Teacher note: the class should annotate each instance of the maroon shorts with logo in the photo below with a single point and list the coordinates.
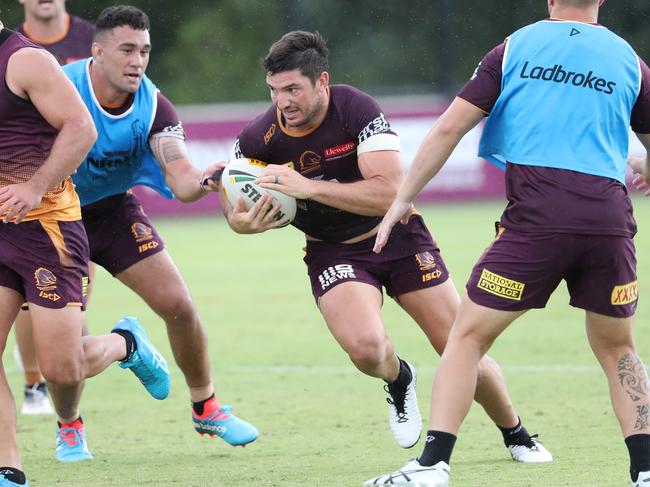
(520, 270)
(46, 261)
(409, 261)
(119, 232)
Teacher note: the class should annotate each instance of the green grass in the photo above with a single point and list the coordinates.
(323, 423)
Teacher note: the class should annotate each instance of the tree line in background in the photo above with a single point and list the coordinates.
(210, 50)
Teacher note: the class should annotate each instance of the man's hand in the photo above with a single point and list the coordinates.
(261, 217)
(286, 180)
(641, 169)
(17, 200)
(398, 211)
(211, 177)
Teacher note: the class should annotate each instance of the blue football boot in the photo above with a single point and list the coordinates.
(148, 365)
(71, 443)
(219, 421)
(5, 482)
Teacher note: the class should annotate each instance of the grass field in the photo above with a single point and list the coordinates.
(322, 423)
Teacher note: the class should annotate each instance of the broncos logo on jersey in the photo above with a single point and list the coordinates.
(309, 162)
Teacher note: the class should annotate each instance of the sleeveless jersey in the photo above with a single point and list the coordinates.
(73, 45)
(328, 152)
(26, 140)
(565, 72)
(121, 158)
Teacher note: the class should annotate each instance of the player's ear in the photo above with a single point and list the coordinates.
(324, 79)
(96, 50)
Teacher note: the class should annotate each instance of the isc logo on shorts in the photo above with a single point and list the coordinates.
(147, 246)
(500, 286)
(625, 294)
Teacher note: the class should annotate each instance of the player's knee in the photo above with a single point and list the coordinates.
(179, 308)
(488, 368)
(370, 352)
(64, 373)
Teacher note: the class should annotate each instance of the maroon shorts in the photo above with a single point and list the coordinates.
(520, 270)
(119, 232)
(409, 261)
(45, 261)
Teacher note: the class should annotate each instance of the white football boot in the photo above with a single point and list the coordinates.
(415, 475)
(643, 480)
(35, 401)
(404, 413)
(532, 452)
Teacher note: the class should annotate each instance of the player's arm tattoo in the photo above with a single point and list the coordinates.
(633, 377)
(168, 149)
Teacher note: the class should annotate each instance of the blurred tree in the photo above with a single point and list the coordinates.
(209, 50)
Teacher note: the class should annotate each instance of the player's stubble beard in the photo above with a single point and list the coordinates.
(313, 111)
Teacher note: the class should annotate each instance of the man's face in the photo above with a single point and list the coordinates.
(44, 9)
(296, 97)
(123, 56)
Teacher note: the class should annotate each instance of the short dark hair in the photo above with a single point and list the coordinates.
(301, 50)
(121, 15)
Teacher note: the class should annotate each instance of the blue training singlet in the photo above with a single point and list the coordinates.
(567, 93)
(121, 158)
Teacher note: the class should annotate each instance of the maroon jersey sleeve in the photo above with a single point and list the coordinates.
(166, 121)
(484, 87)
(641, 111)
(360, 113)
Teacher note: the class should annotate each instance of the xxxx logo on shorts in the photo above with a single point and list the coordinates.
(500, 286)
(625, 294)
(425, 261)
(141, 232)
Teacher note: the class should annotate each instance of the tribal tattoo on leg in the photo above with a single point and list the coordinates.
(633, 377)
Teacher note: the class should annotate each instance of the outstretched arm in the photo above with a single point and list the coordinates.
(458, 119)
(33, 74)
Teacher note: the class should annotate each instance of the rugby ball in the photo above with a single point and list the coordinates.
(238, 179)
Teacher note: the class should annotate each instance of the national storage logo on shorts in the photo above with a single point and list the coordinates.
(500, 286)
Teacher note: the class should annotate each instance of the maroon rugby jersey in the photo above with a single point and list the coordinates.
(73, 45)
(328, 152)
(26, 139)
(558, 200)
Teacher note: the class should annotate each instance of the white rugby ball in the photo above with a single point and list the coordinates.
(238, 179)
